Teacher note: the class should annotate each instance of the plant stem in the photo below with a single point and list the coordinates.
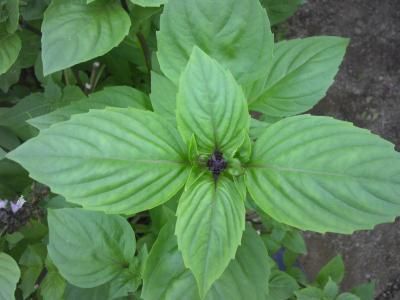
(27, 26)
(146, 53)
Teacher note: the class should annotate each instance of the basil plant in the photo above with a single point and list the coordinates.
(196, 159)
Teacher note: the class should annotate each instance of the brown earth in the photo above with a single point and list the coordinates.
(366, 92)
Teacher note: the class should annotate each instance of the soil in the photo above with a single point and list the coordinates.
(366, 92)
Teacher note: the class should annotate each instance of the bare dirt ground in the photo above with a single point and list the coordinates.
(366, 92)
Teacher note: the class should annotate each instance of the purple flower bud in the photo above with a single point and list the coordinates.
(3, 203)
(17, 206)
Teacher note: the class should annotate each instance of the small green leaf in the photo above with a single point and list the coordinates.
(10, 45)
(166, 278)
(299, 75)
(53, 285)
(117, 160)
(331, 289)
(365, 291)
(209, 228)
(106, 245)
(281, 286)
(279, 10)
(32, 262)
(309, 293)
(211, 105)
(9, 276)
(149, 3)
(333, 270)
(321, 174)
(294, 241)
(163, 96)
(116, 96)
(348, 296)
(74, 32)
(234, 32)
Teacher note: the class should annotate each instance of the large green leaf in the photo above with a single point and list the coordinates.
(106, 245)
(234, 32)
(279, 10)
(167, 278)
(116, 96)
(211, 105)
(118, 160)
(9, 276)
(10, 45)
(74, 32)
(300, 74)
(163, 96)
(321, 174)
(209, 227)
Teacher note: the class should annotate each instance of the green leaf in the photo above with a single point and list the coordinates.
(211, 105)
(149, 3)
(331, 289)
(209, 227)
(300, 74)
(333, 270)
(321, 174)
(279, 10)
(234, 32)
(101, 292)
(348, 296)
(247, 275)
(118, 160)
(106, 245)
(294, 241)
(163, 96)
(9, 276)
(74, 32)
(309, 293)
(166, 278)
(281, 286)
(257, 128)
(13, 179)
(32, 261)
(10, 45)
(12, 7)
(116, 96)
(365, 291)
(8, 140)
(53, 285)
(33, 105)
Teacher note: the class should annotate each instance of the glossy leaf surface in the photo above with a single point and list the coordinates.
(300, 74)
(118, 160)
(234, 32)
(209, 227)
(74, 32)
(342, 177)
(90, 248)
(211, 106)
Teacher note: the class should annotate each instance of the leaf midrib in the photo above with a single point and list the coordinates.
(313, 172)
